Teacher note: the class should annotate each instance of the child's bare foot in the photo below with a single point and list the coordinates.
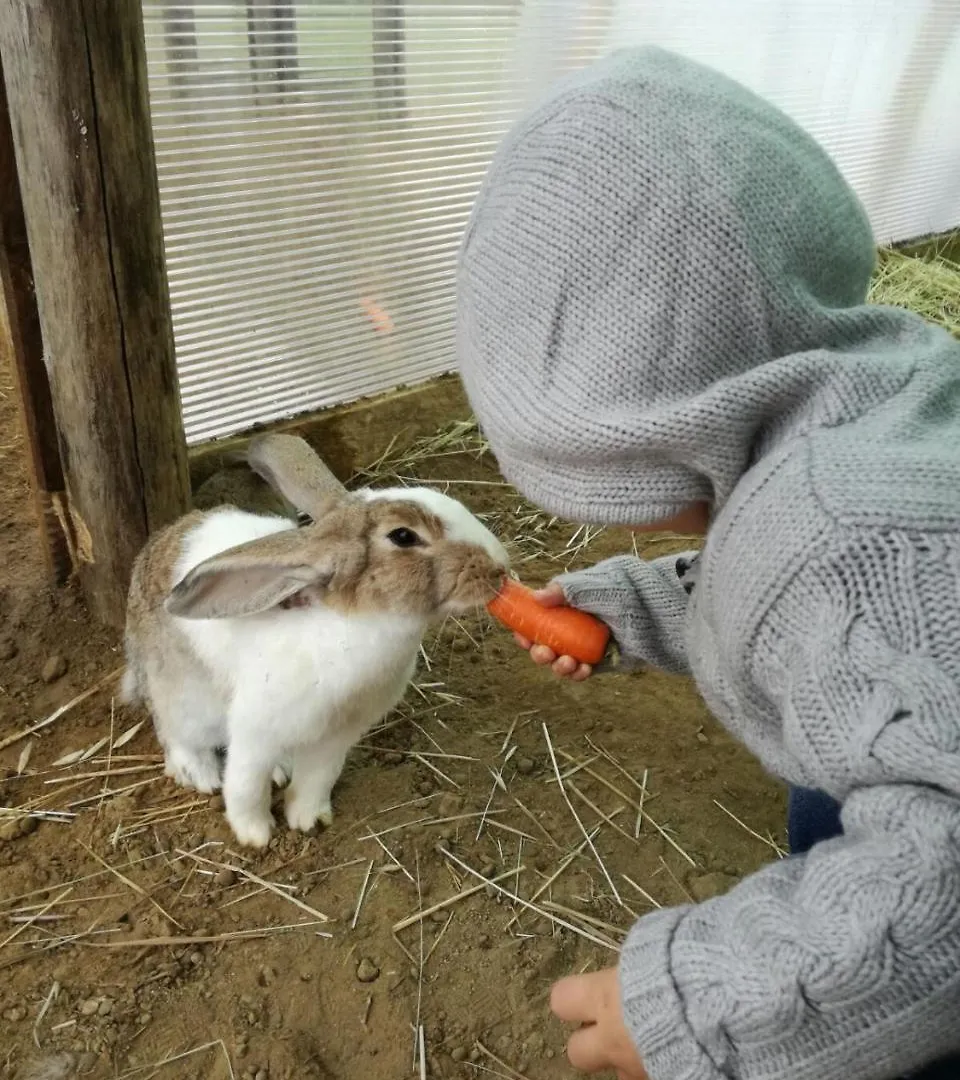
(563, 666)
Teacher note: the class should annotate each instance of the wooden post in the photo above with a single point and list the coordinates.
(76, 81)
(20, 329)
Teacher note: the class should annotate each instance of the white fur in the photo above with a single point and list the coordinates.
(459, 524)
(223, 529)
(285, 693)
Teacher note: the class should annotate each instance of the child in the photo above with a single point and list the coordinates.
(662, 321)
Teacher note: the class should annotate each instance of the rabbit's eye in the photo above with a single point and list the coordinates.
(404, 538)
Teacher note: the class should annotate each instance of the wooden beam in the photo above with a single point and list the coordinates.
(20, 332)
(76, 80)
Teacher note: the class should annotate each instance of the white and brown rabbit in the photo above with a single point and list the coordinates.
(282, 646)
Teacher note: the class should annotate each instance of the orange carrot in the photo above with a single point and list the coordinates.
(566, 630)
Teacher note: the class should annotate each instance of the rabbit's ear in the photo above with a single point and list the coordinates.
(245, 581)
(290, 466)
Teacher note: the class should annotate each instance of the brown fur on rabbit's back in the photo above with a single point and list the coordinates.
(235, 484)
(150, 585)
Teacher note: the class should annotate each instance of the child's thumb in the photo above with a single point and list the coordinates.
(550, 596)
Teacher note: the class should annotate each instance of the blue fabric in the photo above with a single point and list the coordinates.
(812, 817)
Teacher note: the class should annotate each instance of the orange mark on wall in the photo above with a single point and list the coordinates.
(378, 315)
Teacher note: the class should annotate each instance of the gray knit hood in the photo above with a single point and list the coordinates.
(656, 268)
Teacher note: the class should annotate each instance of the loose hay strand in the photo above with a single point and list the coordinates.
(929, 285)
(630, 802)
(419, 916)
(210, 939)
(270, 886)
(34, 918)
(130, 883)
(576, 817)
(361, 895)
(579, 931)
(62, 710)
(763, 839)
(510, 1070)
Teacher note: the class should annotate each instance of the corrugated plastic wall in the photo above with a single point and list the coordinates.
(318, 160)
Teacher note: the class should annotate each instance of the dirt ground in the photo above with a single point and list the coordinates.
(136, 941)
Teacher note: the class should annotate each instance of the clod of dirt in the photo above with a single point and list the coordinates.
(13, 828)
(59, 1067)
(525, 766)
(225, 878)
(449, 805)
(17, 1013)
(89, 1007)
(367, 970)
(8, 648)
(458, 1054)
(54, 668)
(706, 886)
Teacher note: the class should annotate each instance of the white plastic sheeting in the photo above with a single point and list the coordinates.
(318, 158)
(877, 82)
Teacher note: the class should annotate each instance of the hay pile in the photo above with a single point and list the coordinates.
(928, 285)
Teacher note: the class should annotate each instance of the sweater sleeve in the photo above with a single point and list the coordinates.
(843, 964)
(643, 602)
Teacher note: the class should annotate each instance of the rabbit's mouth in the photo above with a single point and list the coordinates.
(471, 591)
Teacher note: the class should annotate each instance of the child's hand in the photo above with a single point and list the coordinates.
(564, 666)
(602, 1042)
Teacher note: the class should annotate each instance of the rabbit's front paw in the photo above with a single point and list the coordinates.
(199, 769)
(304, 812)
(251, 830)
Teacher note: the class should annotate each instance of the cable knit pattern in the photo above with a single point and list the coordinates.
(662, 300)
(644, 601)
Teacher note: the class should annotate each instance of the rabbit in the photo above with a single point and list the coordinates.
(235, 483)
(283, 646)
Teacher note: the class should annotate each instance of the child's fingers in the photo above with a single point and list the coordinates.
(550, 596)
(587, 1049)
(523, 642)
(569, 668)
(574, 999)
(564, 666)
(542, 655)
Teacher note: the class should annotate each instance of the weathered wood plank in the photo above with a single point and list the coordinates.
(20, 331)
(76, 80)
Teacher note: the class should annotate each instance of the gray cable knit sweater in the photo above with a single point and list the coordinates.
(661, 300)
